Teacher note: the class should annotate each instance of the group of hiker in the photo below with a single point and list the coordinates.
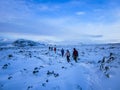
(52, 48)
(74, 54)
(67, 53)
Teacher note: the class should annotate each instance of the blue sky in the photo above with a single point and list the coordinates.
(59, 20)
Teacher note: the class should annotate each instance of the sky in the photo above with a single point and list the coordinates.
(61, 20)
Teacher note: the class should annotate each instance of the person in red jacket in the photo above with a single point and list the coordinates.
(75, 54)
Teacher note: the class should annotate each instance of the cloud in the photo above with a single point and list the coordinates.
(11, 10)
(94, 36)
(80, 13)
(30, 36)
(66, 21)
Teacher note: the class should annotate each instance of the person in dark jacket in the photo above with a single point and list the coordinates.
(75, 54)
(49, 48)
(55, 49)
(67, 54)
(62, 52)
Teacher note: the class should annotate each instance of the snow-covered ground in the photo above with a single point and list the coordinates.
(37, 68)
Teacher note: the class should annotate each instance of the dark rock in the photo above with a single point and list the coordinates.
(9, 77)
(5, 66)
(47, 80)
(34, 72)
(43, 84)
(56, 74)
(10, 55)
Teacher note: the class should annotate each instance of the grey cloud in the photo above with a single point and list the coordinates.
(94, 36)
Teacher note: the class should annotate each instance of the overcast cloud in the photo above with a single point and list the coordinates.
(60, 20)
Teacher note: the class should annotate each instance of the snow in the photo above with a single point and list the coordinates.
(37, 68)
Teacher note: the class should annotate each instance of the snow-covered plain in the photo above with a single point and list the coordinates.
(37, 68)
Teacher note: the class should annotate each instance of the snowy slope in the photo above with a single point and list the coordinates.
(37, 68)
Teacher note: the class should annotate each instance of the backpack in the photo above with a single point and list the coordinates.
(75, 53)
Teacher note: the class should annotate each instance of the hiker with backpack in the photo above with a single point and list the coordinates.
(62, 52)
(55, 49)
(67, 54)
(75, 54)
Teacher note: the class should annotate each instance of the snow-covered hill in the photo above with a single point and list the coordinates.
(37, 68)
(24, 43)
(20, 43)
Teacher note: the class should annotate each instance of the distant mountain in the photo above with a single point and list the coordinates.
(5, 42)
(24, 43)
(2, 39)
